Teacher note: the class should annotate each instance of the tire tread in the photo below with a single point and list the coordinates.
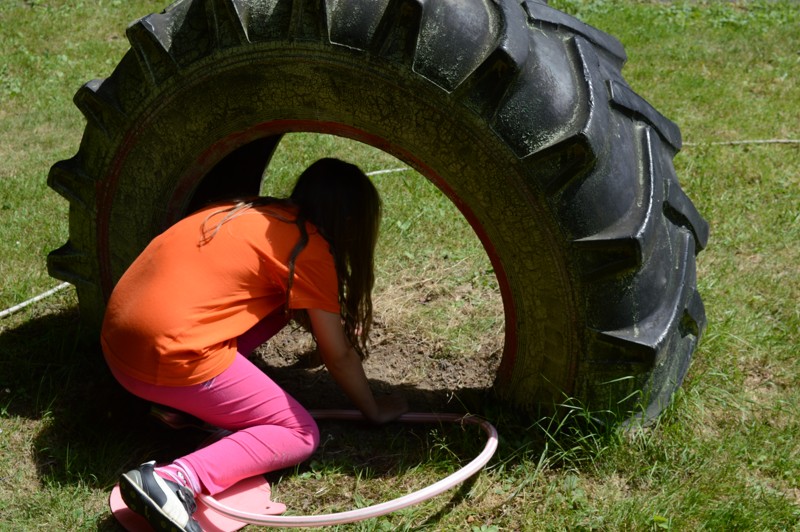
(549, 88)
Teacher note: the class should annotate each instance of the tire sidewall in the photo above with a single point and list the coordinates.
(230, 98)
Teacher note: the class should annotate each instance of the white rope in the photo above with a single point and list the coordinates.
(740, 142)
(15, 308)
(52, 291)
(389, 171)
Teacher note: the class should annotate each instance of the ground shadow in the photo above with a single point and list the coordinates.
(94, 430)
(51, 370)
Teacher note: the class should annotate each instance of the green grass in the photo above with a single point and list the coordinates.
(420, 246)
(726, 454)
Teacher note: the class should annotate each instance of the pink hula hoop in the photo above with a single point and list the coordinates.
(384, 508)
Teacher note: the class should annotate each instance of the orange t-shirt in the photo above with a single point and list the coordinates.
(175, 314)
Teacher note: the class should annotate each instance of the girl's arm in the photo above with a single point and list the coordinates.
(345, 366)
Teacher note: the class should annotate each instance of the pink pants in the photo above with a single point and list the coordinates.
(271, 430)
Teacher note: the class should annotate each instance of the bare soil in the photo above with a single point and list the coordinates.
(398, 362)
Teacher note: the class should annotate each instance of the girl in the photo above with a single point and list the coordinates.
(210, 289)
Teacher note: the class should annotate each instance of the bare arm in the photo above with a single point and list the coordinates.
(345, 366)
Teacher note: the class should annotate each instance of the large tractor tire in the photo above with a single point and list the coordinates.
(515, 110)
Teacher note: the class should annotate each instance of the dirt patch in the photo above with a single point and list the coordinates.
(430, 379)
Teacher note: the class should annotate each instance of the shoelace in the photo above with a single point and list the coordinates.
(187, 498)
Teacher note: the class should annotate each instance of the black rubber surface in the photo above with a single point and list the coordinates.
(518, 112)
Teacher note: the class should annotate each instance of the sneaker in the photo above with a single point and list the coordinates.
(165, 504)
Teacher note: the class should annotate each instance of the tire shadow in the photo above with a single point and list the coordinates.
(90, 428)
(93, 430)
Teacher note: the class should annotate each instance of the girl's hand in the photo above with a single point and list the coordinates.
(345, 366)
(390, 407)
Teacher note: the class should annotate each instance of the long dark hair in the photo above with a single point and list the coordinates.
(339, 200)
(343, 204)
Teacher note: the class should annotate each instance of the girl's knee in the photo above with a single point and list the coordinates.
(310, 438)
